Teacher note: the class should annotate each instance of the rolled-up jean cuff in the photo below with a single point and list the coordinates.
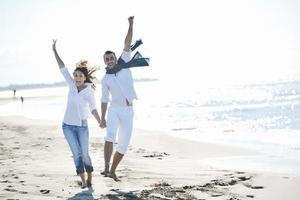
(79, 171)
(89, 169)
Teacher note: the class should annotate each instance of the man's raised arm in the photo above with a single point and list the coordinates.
(128, 38)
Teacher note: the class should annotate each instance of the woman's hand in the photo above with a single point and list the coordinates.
(58, 59)
(103, 123)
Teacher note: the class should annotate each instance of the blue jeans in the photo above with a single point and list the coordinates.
(78, 140)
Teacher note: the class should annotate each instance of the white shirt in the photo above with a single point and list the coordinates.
(119, 85)
(80, 104)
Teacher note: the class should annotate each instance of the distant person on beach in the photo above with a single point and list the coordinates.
(120, 113)
(22, 99)
(14, 92)
(81, 102)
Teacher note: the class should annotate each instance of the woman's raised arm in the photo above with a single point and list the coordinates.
(58, 59)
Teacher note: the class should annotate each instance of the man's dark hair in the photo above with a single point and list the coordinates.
(110, 52)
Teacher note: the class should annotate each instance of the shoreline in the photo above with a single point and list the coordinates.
(262, 142)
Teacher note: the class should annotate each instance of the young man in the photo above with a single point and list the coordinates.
(120, 112)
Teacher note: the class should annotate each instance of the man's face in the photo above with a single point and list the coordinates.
(110, 60)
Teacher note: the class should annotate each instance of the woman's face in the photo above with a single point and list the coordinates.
(79, 78)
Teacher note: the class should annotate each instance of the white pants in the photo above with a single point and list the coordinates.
(119, 118)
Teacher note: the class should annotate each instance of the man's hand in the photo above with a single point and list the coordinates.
(128, 37)
(103, 123)
(130, 20)
(54, 45)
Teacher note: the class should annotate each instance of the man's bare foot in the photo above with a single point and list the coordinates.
(105, 172)
(113, 176)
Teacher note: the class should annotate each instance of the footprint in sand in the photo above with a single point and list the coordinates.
(254, 187)
(257, 187)
(5, 181)
(125, 170)
(244, 178)
(40, 175)
(14, 176)
(44, 191)
(10, 190)
(157, 155)
(140, 150)
(36, 145)
(217, 194)
(221, 182)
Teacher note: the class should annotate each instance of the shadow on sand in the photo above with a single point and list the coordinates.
(84, 195)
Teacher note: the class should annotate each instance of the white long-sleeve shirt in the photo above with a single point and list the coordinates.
(80, 104)
(119, 85)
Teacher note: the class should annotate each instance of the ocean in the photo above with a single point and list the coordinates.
(264, 117)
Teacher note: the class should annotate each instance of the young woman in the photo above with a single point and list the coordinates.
(81, 102)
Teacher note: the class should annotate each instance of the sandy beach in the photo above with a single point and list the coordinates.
(212, 87)
(37, 164)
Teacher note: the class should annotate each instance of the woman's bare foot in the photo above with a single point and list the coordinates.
(113, 176)
(88, 183)
(89, 179)
(83, 182)
(83, 185)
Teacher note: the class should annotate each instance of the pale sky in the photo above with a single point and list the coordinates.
(190, 41)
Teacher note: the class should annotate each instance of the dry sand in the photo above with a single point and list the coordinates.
(36, 163)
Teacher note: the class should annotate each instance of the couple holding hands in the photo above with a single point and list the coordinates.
(117, 83)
